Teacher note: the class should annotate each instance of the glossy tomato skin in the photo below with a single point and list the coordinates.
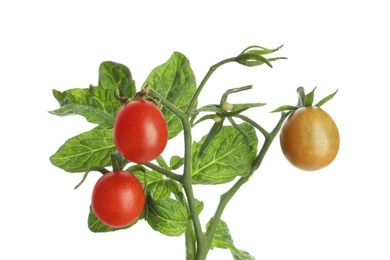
(140, 131)
(309, 138)
(118, 198)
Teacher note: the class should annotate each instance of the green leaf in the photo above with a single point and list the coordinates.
(92, 114)
(222, 239)
(326, 99)
(147, 177)
(85, 151)
(163, 188)
(175, 81)
(167, 216)
(199, 206)
(112, 75)
(71, 96)
(95, 225)
(226, 157)
(176, 162)
(98, 104)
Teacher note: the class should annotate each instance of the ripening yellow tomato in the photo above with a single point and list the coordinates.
(309, 138)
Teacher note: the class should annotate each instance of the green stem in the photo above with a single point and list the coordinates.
(187, 185)
(160, 160)
(190, 241)
(164, 171)
(175, 110)
(227, 196)
(212, 69)
(301, 96)
(268, 141)
(253, 123)
(186, 178)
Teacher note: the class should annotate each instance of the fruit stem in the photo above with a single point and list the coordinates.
(301, 96)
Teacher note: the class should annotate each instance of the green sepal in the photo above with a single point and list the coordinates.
(239, 108)
(253, 56)
(304, 100)
(215, 129)
(261, 50)
(326, 99)
(309, 98)
(285, 108)
(252, 59)
(203, 118)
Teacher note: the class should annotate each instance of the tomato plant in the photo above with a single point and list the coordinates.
(140, 131)
(118, 198)
(131, 136)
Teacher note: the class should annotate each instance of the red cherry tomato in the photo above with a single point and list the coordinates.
(140, 131)
(118, 198)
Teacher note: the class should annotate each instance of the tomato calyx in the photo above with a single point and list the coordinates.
(140, 95)
(224, 110)
(304, 100)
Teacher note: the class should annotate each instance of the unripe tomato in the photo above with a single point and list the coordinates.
(118, 198)
(309, 138)
(140, 131)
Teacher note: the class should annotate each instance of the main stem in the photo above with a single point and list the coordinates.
(198, 250)
(187, 185)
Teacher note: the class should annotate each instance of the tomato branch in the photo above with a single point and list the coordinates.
(253, 123)
(212, 69)
(164, 171)
(174, 109)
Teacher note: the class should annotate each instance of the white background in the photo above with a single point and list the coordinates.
(341, 212)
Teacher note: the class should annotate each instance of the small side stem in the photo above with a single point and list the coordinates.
(180, 114)
(253, 123)
(268, 141)
(212, 69)
(164, 171)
